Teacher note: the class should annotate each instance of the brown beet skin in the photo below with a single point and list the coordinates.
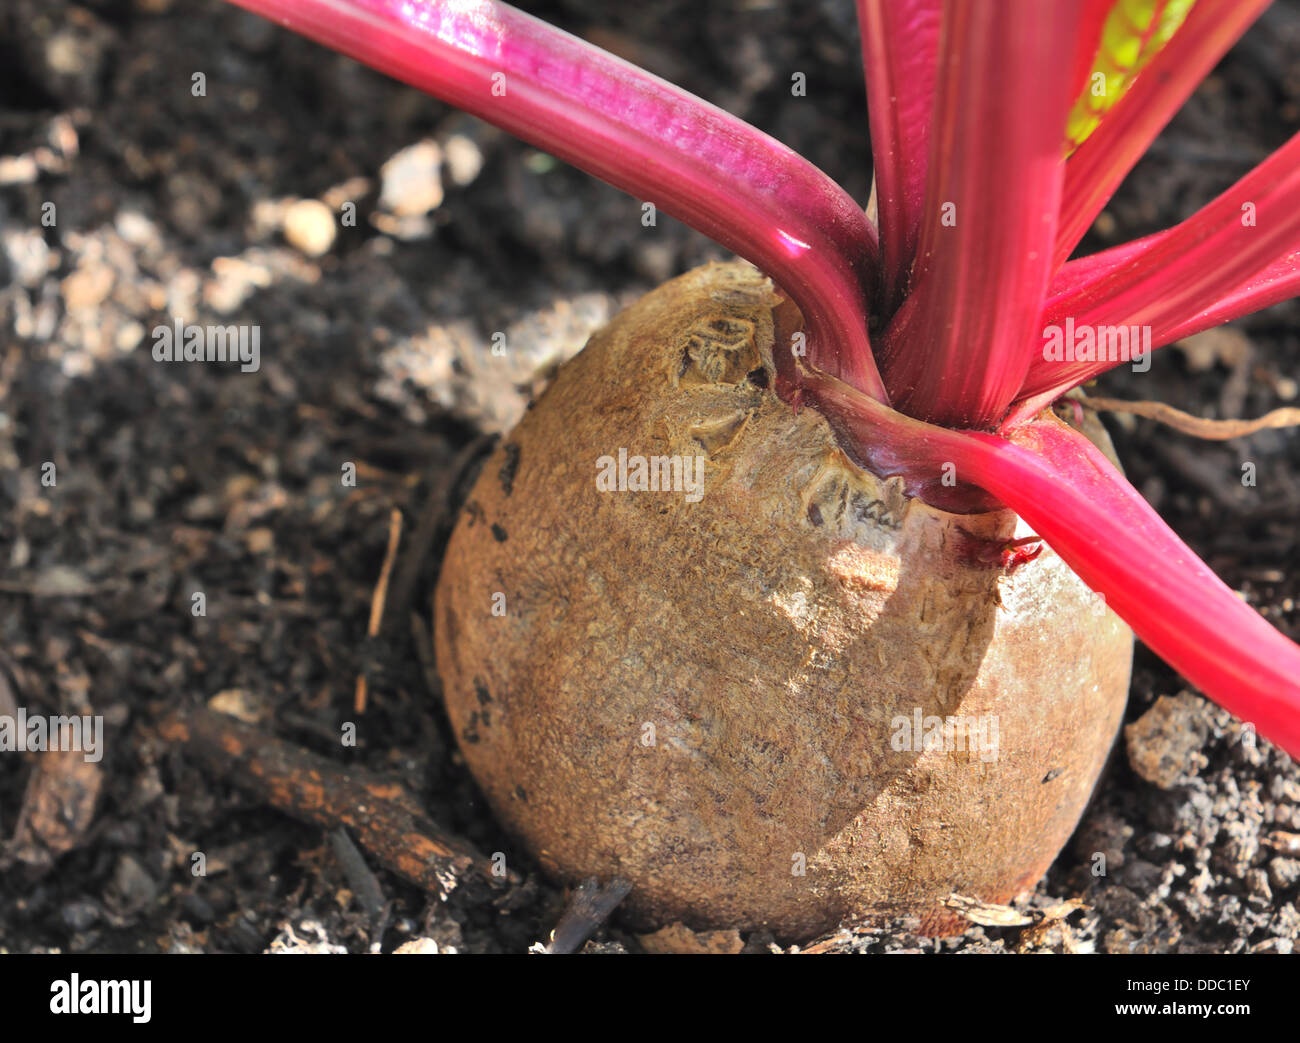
(705, 695)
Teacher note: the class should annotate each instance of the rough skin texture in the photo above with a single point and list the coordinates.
(705, 697)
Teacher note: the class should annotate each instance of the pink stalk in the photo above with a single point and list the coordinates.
(958, 349)
(1102, 161)
(900, 49)
(1164, 280)
(1073, 497)
(639, 133)
(1280, 281)
(1079, 276)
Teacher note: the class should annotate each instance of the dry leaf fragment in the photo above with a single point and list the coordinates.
(986, 914)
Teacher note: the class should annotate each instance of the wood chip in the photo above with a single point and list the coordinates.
(58, 807)
(385, 818)
(986, 914)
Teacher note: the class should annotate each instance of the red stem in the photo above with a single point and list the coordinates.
(900, 51)
(1210, 263)
(639, 133)
(1278, 282)
(958, 349)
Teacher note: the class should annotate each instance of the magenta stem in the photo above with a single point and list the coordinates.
(639, 133)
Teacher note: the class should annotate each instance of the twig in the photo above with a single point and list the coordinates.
(382, 815)
(378, 600)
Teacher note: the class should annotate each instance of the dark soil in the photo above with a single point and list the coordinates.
(179, 479)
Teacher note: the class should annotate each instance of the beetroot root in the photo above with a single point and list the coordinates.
(791, 697)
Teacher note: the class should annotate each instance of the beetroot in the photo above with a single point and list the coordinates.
(801, 698)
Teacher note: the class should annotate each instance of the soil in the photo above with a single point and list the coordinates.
(173, 480)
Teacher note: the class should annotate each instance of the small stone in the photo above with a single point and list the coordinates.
(65, 54)
(1164, 744)
(464, 160)
(240, 704)
(137, 229)
(80, 914)
(234, 280)
(259, 540)
(412, 180)
(88, 286)
(1257, 884)
(128, 336)
(309, 227)
(27, 253)
(1283, 873)
(132, 888)
(418, 947)
(1281, 788)
(18, 170)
